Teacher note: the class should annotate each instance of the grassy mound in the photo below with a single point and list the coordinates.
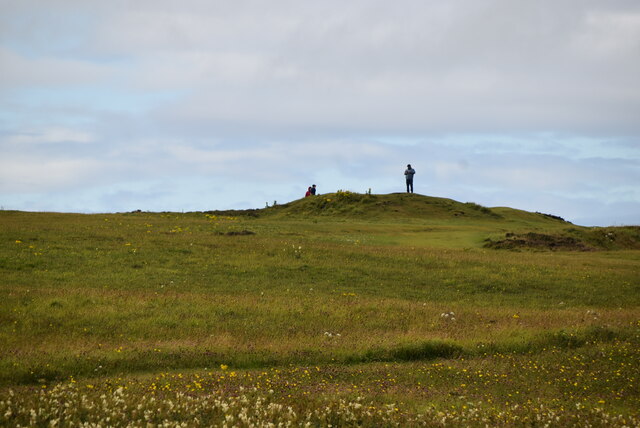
(614, 238)
(368, 206)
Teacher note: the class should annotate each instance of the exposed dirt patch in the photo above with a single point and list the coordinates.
(538, 241)
(239, 233)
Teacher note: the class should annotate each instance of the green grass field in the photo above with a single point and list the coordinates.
(342, 309)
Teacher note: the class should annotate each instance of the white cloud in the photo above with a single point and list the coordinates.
(19, 71)
(48, 136)
(608, 35)
(20, 174)
(418, 66)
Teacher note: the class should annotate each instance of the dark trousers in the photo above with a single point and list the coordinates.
(409, 185)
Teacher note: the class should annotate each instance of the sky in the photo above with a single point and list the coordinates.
(198, 105)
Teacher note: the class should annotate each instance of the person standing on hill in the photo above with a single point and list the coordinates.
(409, 173)
(313, 190)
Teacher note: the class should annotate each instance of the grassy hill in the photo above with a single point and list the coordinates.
(395, 207)
(450, 223)
(325, 306)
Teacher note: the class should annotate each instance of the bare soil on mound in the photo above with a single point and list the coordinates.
(538, 241)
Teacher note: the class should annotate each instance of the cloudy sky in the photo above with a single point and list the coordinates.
(202, 104)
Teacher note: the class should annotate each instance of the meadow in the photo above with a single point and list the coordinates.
(342, 310)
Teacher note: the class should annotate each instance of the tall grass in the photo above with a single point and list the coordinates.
(127, 294)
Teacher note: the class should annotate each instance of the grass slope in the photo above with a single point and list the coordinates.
(394, 206)
(358, 289)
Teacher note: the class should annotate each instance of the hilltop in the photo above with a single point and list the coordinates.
(378, 207)
(394, 206)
